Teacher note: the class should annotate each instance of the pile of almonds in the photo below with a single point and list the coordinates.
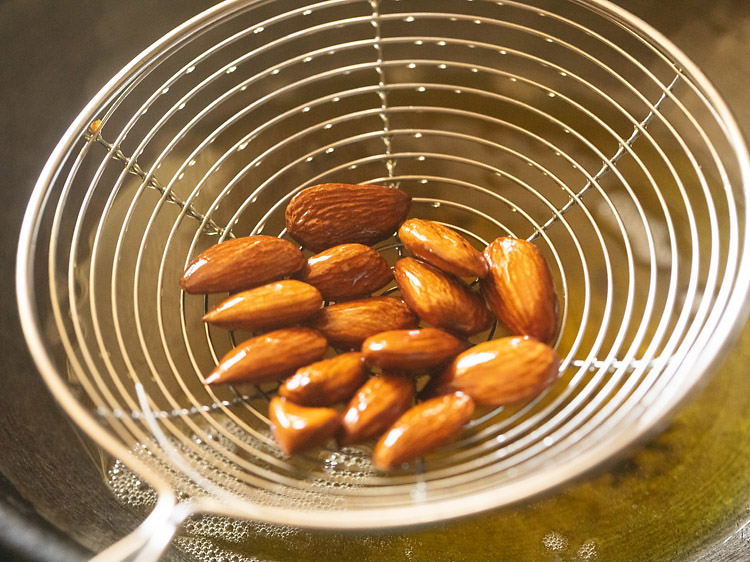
(278, 294)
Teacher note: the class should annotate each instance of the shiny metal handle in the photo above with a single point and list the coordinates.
(151, 538)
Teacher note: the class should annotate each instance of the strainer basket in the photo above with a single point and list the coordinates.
(568, 123)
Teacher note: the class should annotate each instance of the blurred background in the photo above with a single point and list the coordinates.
(683, 496)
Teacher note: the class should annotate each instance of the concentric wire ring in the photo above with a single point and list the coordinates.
(569, 123)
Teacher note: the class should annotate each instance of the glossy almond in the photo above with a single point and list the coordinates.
(348, 324)
(441, 299)
(271, 356)
(325, 215)
(378, 404)
(241, 263)
(519, 288)
(422, 429)
(298, 428)
(499, 372)
(347, 271)
(327, 382)
(283, 303)
(411, 350)
(442, 247)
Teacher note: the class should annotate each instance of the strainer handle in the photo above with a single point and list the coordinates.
(149, 540)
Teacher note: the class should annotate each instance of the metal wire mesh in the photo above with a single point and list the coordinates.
(568, 123)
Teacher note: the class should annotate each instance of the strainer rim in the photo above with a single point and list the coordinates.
(735, 311)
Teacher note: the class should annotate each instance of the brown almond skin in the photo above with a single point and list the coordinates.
(275, 305)
(348, 324)
(347, 271)
(327, 382)
(442, 247)
(411, 350)
(519, 288)
(379, 403)
(422, 429)
(499, 372)
(441, 299)
(328, 214)
(299, 428)
(271, 356)
(241, 263)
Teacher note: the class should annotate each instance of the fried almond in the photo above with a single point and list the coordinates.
(422, 429)
(327, 382)
(347, 271)
(299, 428)
(499, 372)
(241, 263)
(519, 288)
(378, 404)
(275, 305)
(442, 247)
(411, 350)
(441, 299)
(348, 324)
(271, 356)
(329, 214)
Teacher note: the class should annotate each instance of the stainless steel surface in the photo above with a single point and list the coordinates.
(521, 114)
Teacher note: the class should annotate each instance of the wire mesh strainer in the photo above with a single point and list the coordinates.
(569, 123)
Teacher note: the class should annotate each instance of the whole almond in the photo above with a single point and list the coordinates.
(411, 350)
(348, 324)
(498, 372)
(271, 356)
(327, 382)
(347, 271)
(298, 428)
(282, 303)
(325, 215)
(422, 429)
(442, 247)
(441, 299)
(378, 404)
(519, 288)
(241, 263)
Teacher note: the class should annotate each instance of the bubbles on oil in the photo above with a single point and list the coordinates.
(212, 538)
(218, 526)
(555, 542)
(348, 459)
(561, 550)
(587, 552)
(207, 537)
(208, 551)
(128, 487)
